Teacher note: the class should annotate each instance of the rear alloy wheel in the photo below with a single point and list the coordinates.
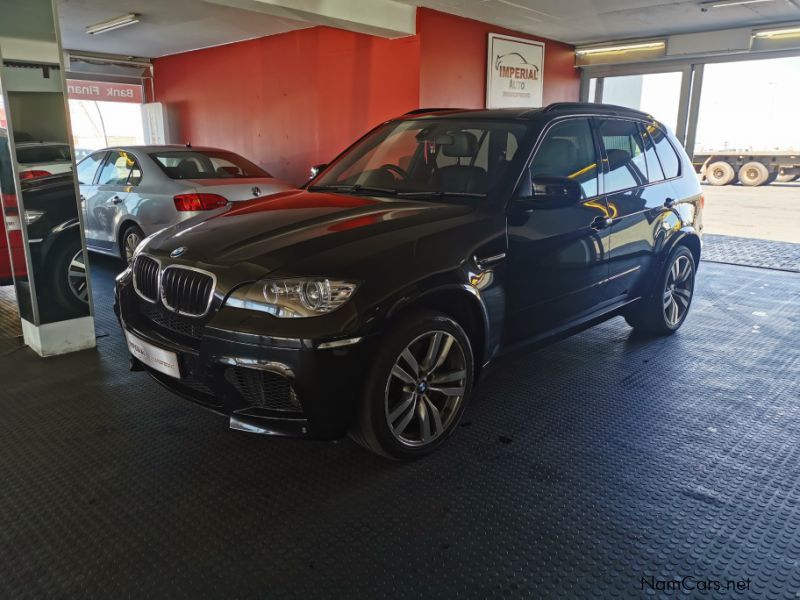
(417, 389)
(665, 310)
(753, 173)
(678, 291)
(720, 173)
(131, 238)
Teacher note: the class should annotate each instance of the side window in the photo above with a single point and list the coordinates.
(135, 176)
(87, 168)
(568, 151)
(624, 150)
(666, 154)
(116, 169)
(654, 171)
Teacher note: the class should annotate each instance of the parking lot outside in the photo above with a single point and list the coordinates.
(770, 212)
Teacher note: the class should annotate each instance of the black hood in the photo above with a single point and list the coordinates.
(263, 235)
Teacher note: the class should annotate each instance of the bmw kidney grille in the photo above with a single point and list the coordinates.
(183, 290)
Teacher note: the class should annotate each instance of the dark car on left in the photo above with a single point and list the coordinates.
(54, 240)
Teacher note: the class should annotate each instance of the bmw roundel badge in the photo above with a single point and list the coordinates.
(179, 251)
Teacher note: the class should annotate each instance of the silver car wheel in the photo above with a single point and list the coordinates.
(425, 388)
(678, 290)
(76, 277)
(132, 240)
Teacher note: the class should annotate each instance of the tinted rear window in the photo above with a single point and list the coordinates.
(666, 154)
(43, 154)
(197, 164)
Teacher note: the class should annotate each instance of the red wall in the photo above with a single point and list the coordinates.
(292, 100)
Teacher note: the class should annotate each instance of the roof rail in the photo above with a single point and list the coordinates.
(418, 111)
(606, 108)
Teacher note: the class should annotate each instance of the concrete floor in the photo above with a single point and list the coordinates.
(593, 468)
(770, 212)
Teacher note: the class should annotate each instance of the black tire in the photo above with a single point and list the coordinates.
(69, 291)
(126, 241)
(753, 174)
(414, 333)
(720, 173)
(649, 316)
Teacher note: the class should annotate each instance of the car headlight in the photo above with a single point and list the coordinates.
(295, 298)
(31, 216)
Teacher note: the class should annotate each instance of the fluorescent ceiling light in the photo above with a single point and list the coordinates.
(778, 33)
(625, 48)
(726, 3)
(112, 24)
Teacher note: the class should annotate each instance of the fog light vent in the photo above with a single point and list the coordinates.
(265, 389)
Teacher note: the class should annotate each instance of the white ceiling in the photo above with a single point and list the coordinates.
(166, 26)
(171, 26)
(583, 21)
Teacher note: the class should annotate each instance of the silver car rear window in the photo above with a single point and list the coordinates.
(205, 164)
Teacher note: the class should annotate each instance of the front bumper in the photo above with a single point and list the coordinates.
(268, 385)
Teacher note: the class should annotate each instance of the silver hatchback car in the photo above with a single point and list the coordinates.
(129, 192)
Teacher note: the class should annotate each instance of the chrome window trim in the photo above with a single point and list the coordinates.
(188, 268)
(158, 279)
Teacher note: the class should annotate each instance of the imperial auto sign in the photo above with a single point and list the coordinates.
(514, 72)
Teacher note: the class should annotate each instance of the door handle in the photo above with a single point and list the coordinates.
(601, 223)
(116, 200)
(669, 202)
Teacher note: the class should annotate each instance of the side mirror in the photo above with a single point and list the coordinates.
(317, 169)
(548, 192)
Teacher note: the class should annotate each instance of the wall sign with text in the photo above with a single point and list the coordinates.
(105, 92)
(514, 72)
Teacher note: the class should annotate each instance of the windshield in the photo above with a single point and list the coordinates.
(43, 154)
(205, 164)
(430, 157)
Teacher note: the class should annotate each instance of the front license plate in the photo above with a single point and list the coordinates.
(154, 357)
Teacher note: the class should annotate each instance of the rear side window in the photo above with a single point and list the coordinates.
(87, 168)
(654, 171)
(117, 169)
(568, 151)
(670, 162)
(624, 150)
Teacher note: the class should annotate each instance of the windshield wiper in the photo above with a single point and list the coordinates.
(441, 194)
(352, 189)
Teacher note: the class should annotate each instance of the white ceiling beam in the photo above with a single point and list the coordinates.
(384, 18)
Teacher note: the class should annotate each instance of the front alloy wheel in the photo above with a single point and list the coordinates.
(417, 387)
(425, 388)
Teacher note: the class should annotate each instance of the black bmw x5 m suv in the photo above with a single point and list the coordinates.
(372, 301)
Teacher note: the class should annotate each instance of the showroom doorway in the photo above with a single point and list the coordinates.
(656, 93)
(104, 114)
(737, 121)
(747, 143)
